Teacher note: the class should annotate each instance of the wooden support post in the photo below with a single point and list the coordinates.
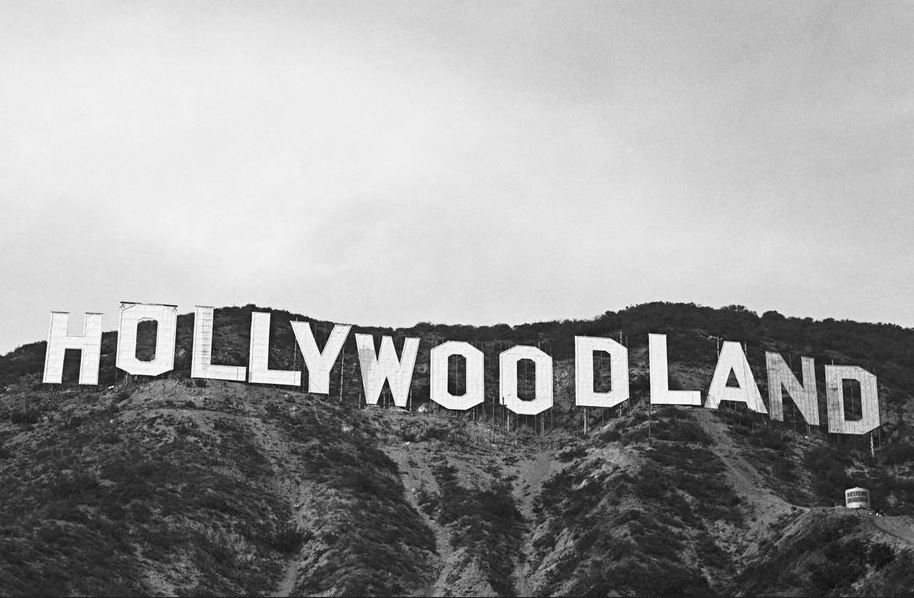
(650, 418)
(342, 367)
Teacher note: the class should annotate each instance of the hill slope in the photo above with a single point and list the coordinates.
(178, 486)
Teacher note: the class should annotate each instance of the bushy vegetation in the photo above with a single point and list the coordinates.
(99, 500)
(830, 479)
(826, 559)
(899, 454)
(671, 424)
(697, 472)
(573, 453)
(207, 499)
(484, 522)
(694, 332)
(634, 532)
(845, 562)
(377, 545)
(79, 514)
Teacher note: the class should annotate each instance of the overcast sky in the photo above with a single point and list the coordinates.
(476, 162)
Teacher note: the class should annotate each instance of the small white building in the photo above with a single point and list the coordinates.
(857, 498)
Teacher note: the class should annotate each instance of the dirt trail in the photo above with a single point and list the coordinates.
(766, 507)
(288, 486)
(268, 439)
(415, 474)
(531, 474)
(287, 583)
(901, 527)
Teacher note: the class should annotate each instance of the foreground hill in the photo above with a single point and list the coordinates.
(179, 486)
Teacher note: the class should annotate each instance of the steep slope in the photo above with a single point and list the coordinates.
(835, 551)
(763, 507)
(188, 489)
(177, 486)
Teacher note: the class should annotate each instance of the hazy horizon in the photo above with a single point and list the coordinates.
(392, 163)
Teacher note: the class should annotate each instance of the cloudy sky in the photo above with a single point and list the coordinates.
(480, 162)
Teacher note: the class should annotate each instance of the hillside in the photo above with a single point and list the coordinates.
(178, 486)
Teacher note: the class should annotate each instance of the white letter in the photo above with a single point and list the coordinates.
(258, 361)
(166, 316)
(386, 366)
(201, 361)
(439, 393)
(660, 390)
(319, 364)
(835, 375)
(584, 348)
(733, 359)
(780, 378)
(89, 344)
(507, 365)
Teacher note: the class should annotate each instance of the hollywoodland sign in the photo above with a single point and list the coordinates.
(385, 365)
